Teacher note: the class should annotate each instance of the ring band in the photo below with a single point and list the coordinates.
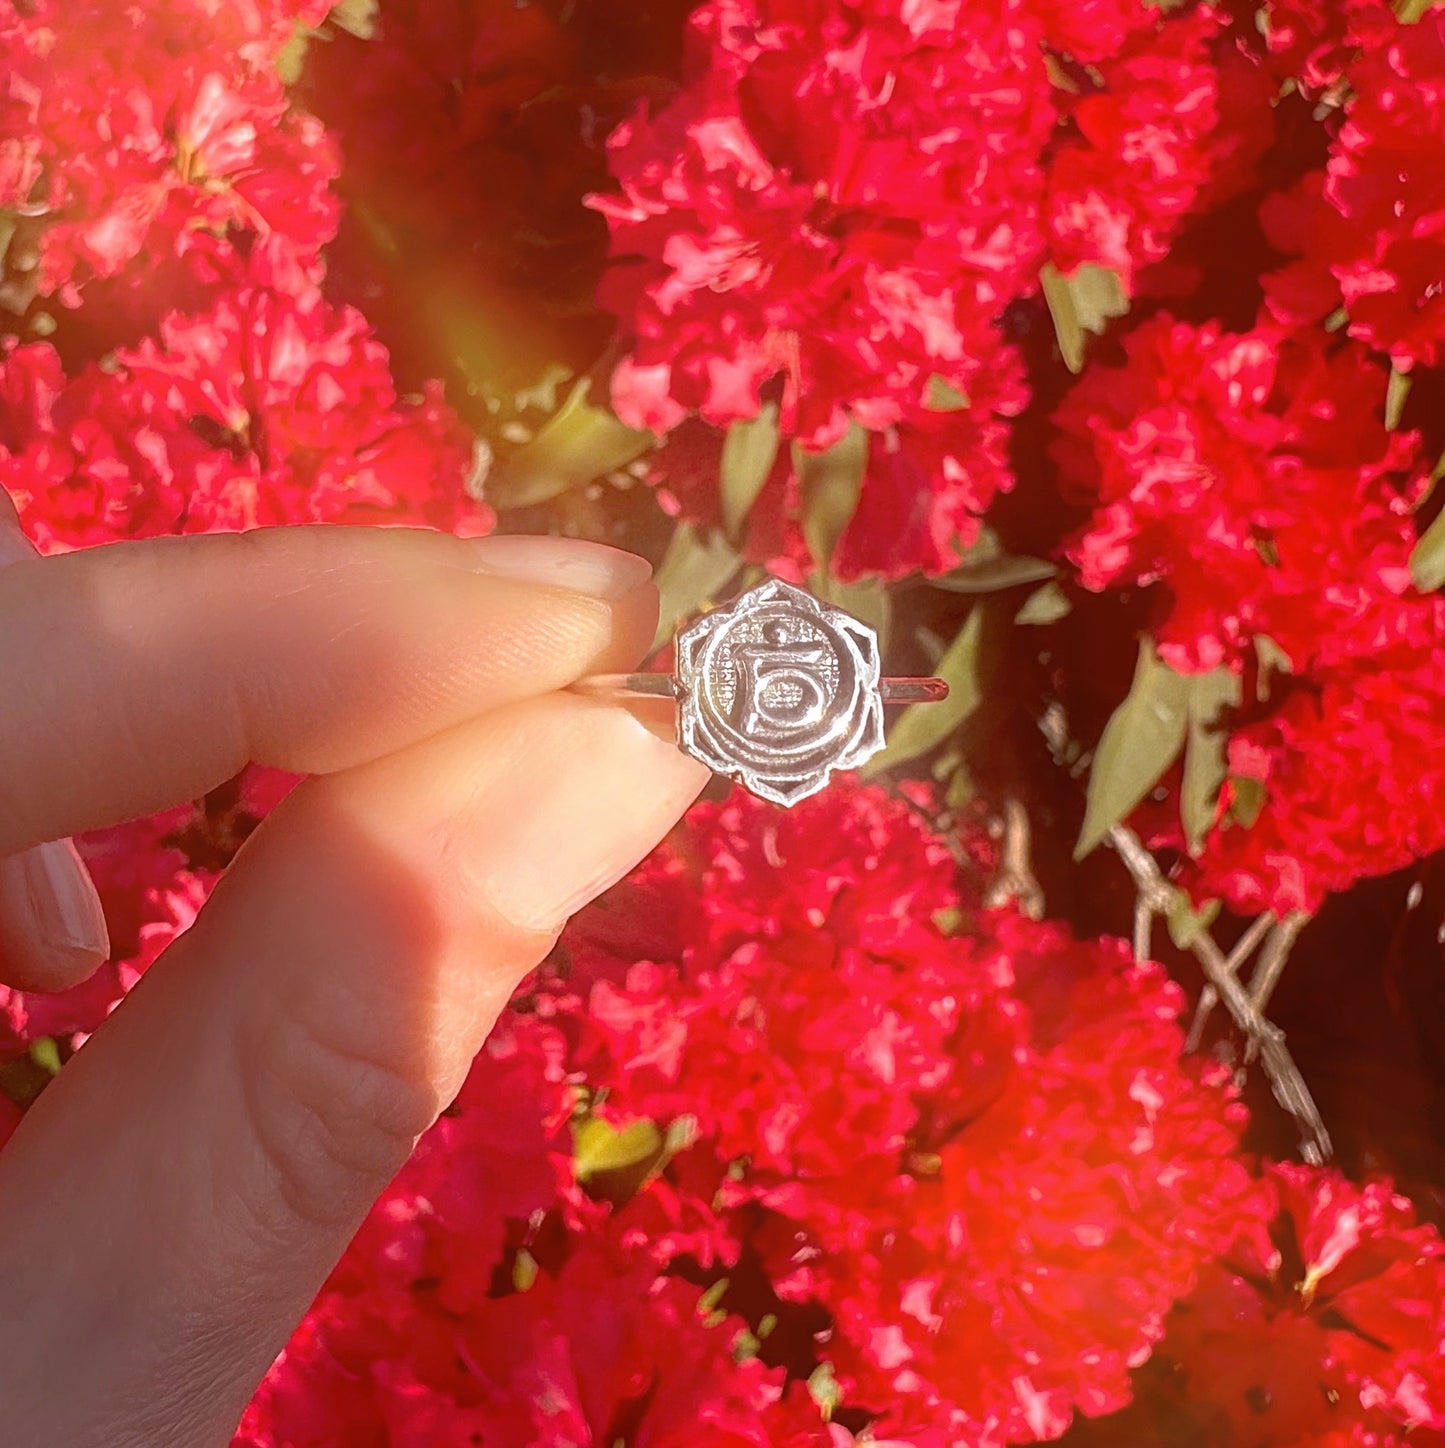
(667, 686)
(776, 690)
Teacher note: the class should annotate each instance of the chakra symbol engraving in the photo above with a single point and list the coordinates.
(778, 690)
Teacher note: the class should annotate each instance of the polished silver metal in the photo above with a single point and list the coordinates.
(777, 690)
(665, 686)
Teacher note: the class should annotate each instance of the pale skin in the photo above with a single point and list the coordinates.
(172, 1203)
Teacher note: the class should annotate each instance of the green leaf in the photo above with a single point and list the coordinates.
(993, 574)
(922, 726)
(949, 920)
(1411, 12)
(1248, 798)
(681, 1133)
(943, 396)
(9, 222)
(1272, 660)
(694, 572)
(1141, 740)
(1395, 395)
(831, 483)
(540, 394)
(598, 1146)
(356, 17)
(1044, 605)
(46, 1054)
(524, 1270)
(579, 443)
(1080, 304)
(1427, 561)
(748, 454)
(1204, 760)
(291, 58)
(823, 1385)
(745, 1345)
(866, 599)
(962, 788)
(711, 1300)
(1185, 922)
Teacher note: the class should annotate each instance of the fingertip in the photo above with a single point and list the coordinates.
(577, 564)
(52, 926)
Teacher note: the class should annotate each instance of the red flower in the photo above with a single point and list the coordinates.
(978, 1162)
(1227, 468)
(1094, 30)
(272, 407)
(926, 484)
(982, 1159)
(1368, 232)
(1329, 1330)
(141, 129)
(1309, 40)
(1347, 791)
(581, 1352)
(839, 203)
(1169, 130)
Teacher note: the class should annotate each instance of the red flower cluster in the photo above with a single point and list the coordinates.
(1176, 123)
(1376, 720)
(839, 205)
(148, 132)
(833, 199)
(272, 406)
(979, 1159)
(1369, 230)
(1251, 475)
(421, 1337)
(1328, 1329)
(1308, 40)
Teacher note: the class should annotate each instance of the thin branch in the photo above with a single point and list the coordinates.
(1209, 997)
(1272, 960)
(1143, 928)
(1015, 880)
(1266, 1039)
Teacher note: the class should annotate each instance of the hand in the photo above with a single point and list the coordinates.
(172, 1203)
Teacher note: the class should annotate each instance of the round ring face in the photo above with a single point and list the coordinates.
(778, 690)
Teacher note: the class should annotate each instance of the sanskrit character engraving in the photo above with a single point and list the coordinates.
(782, 683)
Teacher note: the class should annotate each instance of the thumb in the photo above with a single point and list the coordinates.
(173, 1202)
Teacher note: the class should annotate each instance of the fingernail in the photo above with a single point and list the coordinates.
(574, 563)
(47, 893)
(599, 792)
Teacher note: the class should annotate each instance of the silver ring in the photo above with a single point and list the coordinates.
(776, 690)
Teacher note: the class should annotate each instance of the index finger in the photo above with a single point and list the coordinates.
(138, 675)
